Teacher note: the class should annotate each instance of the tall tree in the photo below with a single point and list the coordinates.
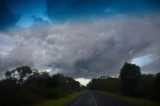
(130, 75)
(19, 73)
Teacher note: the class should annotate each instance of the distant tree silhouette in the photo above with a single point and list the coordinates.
(19, 73)
(103, 83)
(8, 74)
(130, 75)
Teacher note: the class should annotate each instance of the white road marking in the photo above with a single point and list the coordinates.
(93, 99)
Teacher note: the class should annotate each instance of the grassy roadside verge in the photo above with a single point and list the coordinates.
(59, 102)
(137, 101)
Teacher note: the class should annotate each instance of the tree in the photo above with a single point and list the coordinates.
(8, 74)
(37, 86)
(157, 87)
(130, 75)
(19, 73)
(104, 83)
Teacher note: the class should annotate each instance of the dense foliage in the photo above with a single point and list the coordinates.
(130, 82)
(130, 75)
(105, 84)
(25, 87)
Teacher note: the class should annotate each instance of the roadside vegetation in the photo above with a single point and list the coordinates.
(26, 87)
(134, 100)
(61, 101)
(130, 83)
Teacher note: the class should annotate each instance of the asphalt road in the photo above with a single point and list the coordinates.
(95, 98)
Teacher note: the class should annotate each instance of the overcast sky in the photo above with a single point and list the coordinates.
(80, 38)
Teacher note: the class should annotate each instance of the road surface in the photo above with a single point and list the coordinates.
(95, 98)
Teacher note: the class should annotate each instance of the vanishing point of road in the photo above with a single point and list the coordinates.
(95, 98)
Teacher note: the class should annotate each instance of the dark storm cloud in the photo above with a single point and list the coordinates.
(63, 10)
(113, 32)
(86, 49)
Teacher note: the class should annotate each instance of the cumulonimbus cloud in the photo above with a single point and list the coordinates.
(85, 49)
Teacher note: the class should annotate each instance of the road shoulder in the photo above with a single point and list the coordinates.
(137, 101)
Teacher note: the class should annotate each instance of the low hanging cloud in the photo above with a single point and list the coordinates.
(85, 49)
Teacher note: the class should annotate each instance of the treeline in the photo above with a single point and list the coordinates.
(25, 87)
(130, 82)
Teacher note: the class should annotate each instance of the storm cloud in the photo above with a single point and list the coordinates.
(80, 38)
(85, 49)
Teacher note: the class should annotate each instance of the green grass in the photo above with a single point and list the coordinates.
(59, 102)
(137, 101)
